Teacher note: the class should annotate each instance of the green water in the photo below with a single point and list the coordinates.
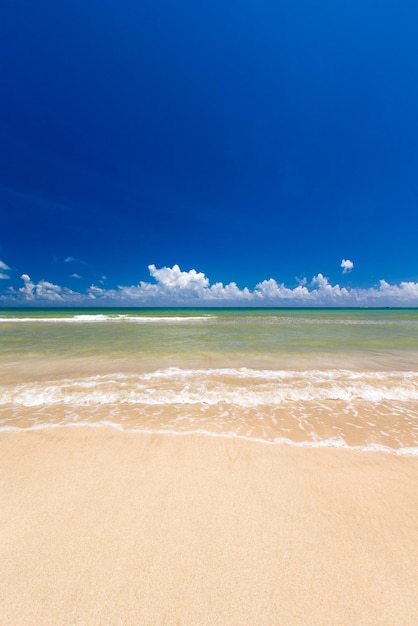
(346, 377)
(211, 332)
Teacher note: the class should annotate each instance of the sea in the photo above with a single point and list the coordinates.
(305, 377)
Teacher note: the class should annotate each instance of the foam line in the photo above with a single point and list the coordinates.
(100, 319)
(236, 387)
(325, 443)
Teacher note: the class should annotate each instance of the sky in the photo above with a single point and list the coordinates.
(251, 152)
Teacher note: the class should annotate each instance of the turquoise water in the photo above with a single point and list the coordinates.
(345, 377)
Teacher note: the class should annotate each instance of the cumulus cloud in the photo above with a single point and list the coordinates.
(75, 275)
(270, 290)
(174, 286)
(171, 286)
(42, 292)
(28, 288)
(3, 266)
(173, 278)
(347, 265)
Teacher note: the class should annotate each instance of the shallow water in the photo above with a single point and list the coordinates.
(342, 377)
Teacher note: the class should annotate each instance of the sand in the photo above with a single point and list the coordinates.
(104, 527)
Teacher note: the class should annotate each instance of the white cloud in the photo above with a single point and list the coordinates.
(43, 291)
(347, 265)
(72, 259)
(75, 275)
(172, 278)
(4, 268)
(270, 290)
(28, 289)
(174, 287)
(326, 290)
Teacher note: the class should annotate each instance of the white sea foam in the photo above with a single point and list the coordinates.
(323, 408)
(91, 318)
(101, 318)
(240, 387)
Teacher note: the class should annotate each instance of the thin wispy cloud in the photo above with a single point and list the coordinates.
(172, 286)
(33, 199)
(73, 259)
(4, 268)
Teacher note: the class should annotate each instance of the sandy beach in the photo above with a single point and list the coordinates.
(105, 527)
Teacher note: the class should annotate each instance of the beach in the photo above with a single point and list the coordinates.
(248, 466)
(107, 527)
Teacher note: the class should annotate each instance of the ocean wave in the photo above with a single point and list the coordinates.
(240, 387)
(369, 410)
(101, 318)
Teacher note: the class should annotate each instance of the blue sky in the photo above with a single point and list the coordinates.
(240, 141)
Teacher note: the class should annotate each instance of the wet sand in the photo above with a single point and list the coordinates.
(103, 527)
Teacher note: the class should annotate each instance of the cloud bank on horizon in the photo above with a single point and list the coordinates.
(174, 287)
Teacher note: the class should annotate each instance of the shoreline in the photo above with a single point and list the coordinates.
(405, 451)
(102, 526)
